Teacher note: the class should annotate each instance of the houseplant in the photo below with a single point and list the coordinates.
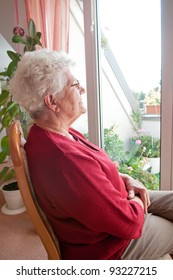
(10, 110)
(14, 202)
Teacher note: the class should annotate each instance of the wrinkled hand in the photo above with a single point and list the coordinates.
(136, 187)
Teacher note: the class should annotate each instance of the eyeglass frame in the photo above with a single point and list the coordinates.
(76, 84)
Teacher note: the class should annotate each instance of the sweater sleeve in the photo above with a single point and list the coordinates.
(88, 196)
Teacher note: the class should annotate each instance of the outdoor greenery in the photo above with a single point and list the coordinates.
(149, 180)
(148, 146)
(9, 110)
(153, 97)
(149, 99)
(130, 162)
(113, 145)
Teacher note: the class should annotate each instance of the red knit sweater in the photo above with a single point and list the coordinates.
(82, 195)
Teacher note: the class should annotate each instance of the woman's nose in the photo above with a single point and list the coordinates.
(82, 90)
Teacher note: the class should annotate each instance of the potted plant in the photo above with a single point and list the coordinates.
(10, 110)
(152, 102)
(13, 199)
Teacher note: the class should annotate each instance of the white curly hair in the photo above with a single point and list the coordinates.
(39, 73)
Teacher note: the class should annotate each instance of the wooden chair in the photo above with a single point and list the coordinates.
(38, 218)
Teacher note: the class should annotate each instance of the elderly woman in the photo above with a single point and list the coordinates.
(95, 212)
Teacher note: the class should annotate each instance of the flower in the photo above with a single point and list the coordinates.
(149, 146)
(130, 168)
(141, 130)
(18, 31)
(29, 41)
(138, 142)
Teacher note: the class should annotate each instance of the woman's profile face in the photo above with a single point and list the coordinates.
(71, 104)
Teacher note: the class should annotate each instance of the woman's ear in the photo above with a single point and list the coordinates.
(51, 102)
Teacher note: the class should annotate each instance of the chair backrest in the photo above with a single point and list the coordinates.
(42, 226)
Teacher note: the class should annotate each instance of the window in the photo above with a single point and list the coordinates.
(131, 74)
(93, 56)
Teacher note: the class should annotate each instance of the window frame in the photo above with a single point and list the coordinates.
(166, 181)
(92, 58)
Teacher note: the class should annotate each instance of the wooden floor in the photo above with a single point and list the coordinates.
(18, 239)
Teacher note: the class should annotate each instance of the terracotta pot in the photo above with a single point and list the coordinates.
(152, 109)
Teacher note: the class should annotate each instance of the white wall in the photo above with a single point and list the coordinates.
(8, 18)
(152, 126)
(8, 21)
(4, 58)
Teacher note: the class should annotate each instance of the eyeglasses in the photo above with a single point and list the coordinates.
(76, 84)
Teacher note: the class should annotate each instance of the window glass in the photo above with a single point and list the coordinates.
(131, 86)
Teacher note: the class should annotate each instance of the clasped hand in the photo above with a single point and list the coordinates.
(135, 187)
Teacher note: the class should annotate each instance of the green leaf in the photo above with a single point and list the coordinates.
(133, 151)
(38, 34)
(10, 105)
(29, 41)
(2, 157)
(11, 68)
(31, 28)
(2, 112)
(4, 97)
(4, 74)
(37, 39)
(13, 109)
(14, 56)
(25, 49)
(6, 120)
(18, 39)
(4, 172)
(5, 145)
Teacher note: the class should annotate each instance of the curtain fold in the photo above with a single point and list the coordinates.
(52, 18)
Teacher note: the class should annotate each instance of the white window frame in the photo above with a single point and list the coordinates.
(92, 71)
(166, 181)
